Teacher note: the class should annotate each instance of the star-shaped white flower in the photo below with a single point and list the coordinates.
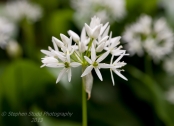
(95, 63)
(115, 67)
(111, 45)
(66, 65)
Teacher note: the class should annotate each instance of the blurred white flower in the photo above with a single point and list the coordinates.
(169, 64)
(153, 37)
(17, 10)
(170, 95)
(7, 30)
(112, 10)
(89, 50)
(13, 49)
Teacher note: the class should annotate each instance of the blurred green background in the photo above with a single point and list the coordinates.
(25, 87)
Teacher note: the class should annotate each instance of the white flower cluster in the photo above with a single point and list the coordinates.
(17, 10)
(153, 37)
(7, 30)
(89, 50)
(112, 10)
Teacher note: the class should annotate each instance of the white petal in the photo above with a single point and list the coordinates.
(106, 32)
(93, 53)
(49, 48)
(69, 74)
(100, 47)
(82, 47)
(60, 64)
(87, 70)
(104, 39)
(119, 65)
(46, 52)
(49, 60)
(70, 44)
(117, 52)
(104, 28)
(87, 41)
(64, 38)
(115, 42)
(112, 77)
(119, 58)
(83, 35)
(104, 65)
(88, 60)
(103, 56)
(55, 65)
(88, 30)
(75, 64)
(119, 74)
(110, 37)
(68, 58)
(62, 72)
(58, 42)
(98, 73)
(60, 56)
(75, 37)
(96, 32)
(72, 50)
(55, 46)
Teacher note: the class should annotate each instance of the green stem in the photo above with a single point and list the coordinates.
(89, 46)
(84, 103)
(29, 38)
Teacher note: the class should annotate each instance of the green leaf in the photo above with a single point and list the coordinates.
(51, 121)
(22, 80)
(159, 103)
(146, 6)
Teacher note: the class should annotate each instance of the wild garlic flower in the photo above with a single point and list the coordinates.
(153, 37)
(112, 10)
(88, 50)
(17, 10)
(7, 30)
(169, 64)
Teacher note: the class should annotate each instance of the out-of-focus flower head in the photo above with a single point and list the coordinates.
(13, 49)
(7, 30)
(112, 10)
(17, 10)
(147, 36)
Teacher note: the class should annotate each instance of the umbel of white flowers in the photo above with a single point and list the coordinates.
(17, 10)
(153, 37)
(88, 51)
